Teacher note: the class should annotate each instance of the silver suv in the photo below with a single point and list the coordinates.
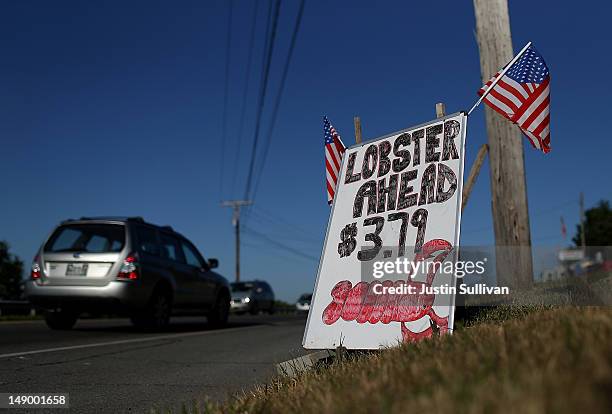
(124, 266)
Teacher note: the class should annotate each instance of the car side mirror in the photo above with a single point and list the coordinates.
(213, 263)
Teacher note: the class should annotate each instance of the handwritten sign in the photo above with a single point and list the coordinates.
(398, 202)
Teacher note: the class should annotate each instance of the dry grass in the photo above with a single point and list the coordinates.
(509, 360)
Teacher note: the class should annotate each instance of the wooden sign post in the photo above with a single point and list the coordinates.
(357, 122)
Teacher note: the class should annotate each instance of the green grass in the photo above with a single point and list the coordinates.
(519, 360)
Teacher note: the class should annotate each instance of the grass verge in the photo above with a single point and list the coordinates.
(527, 360)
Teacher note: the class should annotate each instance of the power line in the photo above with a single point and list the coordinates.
(245, 93)
(266, 45)
(257, 246)
(262, 96)
(278, 245)
(290, 236)
(225, 97)
(263, 215)
(296, 29)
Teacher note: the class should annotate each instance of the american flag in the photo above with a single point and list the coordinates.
(334, 149)
(563, 228)
(523, 96)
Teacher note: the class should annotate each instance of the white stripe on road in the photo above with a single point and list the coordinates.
(121, 342)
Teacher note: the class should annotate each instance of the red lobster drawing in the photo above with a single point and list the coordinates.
(361, 304)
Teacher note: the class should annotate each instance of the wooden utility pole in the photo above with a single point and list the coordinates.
(236, 204)
(507, 167)
(357, 122)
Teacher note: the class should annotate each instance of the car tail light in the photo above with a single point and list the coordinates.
(129, 268)
(35, 273)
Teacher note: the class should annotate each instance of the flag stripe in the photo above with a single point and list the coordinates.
(526, 88)
(532, 104)
(535, 141)
(336, 154)
(544, 123)
(516, 87)
(331, 159)
(546, 128)
(510, 92)
(501, 97)
(330, 170)
(499, 106)
(546, 143)
(329, 183)
(536, 116)
(330, 192)
(334, 150)
(339, 146)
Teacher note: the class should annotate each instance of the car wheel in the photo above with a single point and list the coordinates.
(156, 316)
(61, 320)
(272, 310)
(254, 309)
(217, 318)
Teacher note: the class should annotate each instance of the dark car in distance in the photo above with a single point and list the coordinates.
(124, 266)
(252, 296)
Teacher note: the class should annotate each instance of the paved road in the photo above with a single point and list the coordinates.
(107, 366)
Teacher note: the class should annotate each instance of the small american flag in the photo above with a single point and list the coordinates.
(334, 149)
(523, 96)
(563, 228)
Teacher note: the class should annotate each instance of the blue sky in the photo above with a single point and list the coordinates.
(115, 108)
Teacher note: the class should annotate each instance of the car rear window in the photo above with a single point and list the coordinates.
(89, 238)
(147, 240)
(242, 287)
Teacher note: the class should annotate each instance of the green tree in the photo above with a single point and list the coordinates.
(11, 269)
(597, 226)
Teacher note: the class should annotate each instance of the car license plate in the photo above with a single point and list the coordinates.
(76, 270)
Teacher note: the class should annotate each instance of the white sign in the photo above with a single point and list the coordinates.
(397, 212)
(571, 255)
